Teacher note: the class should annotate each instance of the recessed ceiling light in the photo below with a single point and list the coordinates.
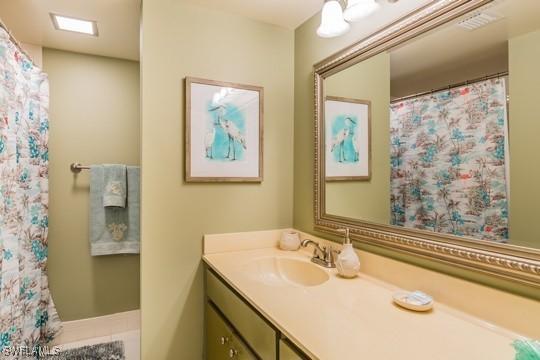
(68, 23)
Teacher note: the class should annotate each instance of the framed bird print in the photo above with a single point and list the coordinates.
(347, 139)
(224, 127)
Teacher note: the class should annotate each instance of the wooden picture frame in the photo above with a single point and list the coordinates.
(223, 131)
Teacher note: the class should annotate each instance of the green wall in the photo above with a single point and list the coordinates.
(524, 53)
(368, 200)
(94, 112)
(179, 40)
(309, 50)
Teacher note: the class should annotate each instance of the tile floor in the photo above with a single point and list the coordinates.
(131, 343)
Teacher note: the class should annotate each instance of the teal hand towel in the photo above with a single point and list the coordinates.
(115, 185)
(114, 230)
(527, 349)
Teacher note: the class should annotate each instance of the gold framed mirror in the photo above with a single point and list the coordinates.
(467, 52)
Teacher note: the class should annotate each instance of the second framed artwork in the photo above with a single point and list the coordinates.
(224, 131)
(347, 139)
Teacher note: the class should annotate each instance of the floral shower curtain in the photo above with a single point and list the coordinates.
(449, 161)
(27, 314)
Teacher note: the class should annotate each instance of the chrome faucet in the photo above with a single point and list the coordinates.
(323, 256)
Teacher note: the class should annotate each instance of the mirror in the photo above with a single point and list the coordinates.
(436, 134)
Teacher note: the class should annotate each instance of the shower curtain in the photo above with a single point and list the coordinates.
(449, 161)
(27, 314)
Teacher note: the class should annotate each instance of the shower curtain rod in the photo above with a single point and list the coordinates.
(16, 43)
(453, 86)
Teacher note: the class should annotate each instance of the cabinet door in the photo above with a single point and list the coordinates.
(221, 341)
(239, 351)
(253, 328)
(218, 335)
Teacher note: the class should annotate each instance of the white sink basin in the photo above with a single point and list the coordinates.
(285, 271)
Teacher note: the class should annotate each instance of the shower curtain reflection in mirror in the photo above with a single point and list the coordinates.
(449, 167)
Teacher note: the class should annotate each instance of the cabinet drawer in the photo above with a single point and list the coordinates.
(259, 335)
(221, 341)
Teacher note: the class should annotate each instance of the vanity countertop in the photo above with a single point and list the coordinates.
(355, 318)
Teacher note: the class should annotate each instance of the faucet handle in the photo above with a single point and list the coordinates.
(330, 253)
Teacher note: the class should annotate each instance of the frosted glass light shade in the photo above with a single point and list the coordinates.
(359, 9)
(332, 22)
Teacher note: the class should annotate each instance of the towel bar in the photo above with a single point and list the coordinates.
(77, 168)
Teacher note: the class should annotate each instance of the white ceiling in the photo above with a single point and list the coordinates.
(286, 13)
(118, 20)
(454, 47)
(118, 24)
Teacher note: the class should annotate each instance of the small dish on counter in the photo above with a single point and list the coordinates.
(416, 300)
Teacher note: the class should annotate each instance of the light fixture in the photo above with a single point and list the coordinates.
(332, 22)
(359, 9)
(68, 23)
(335, 21)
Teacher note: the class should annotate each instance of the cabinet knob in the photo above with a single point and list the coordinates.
(224, 340)
(232, 353)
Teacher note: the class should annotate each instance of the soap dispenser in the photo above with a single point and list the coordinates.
(347, 264)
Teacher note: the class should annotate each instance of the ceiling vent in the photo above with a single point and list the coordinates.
(477, 21)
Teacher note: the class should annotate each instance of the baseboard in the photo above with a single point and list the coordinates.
(107, 325)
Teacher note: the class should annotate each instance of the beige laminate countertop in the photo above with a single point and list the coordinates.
(355, 318)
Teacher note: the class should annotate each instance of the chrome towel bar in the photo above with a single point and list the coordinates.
(77, 168)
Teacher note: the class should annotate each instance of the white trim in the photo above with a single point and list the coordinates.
(101, 326)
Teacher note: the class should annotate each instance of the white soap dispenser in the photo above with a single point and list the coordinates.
(347, 264)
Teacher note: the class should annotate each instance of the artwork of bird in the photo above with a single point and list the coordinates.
(338, 142)
(220, 109)
(350, 123)
(234, 135)
(209, 143)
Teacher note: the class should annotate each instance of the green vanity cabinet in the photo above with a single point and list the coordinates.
(236, 330)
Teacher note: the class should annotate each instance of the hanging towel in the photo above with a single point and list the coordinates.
(115, 185)
(114, 230)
